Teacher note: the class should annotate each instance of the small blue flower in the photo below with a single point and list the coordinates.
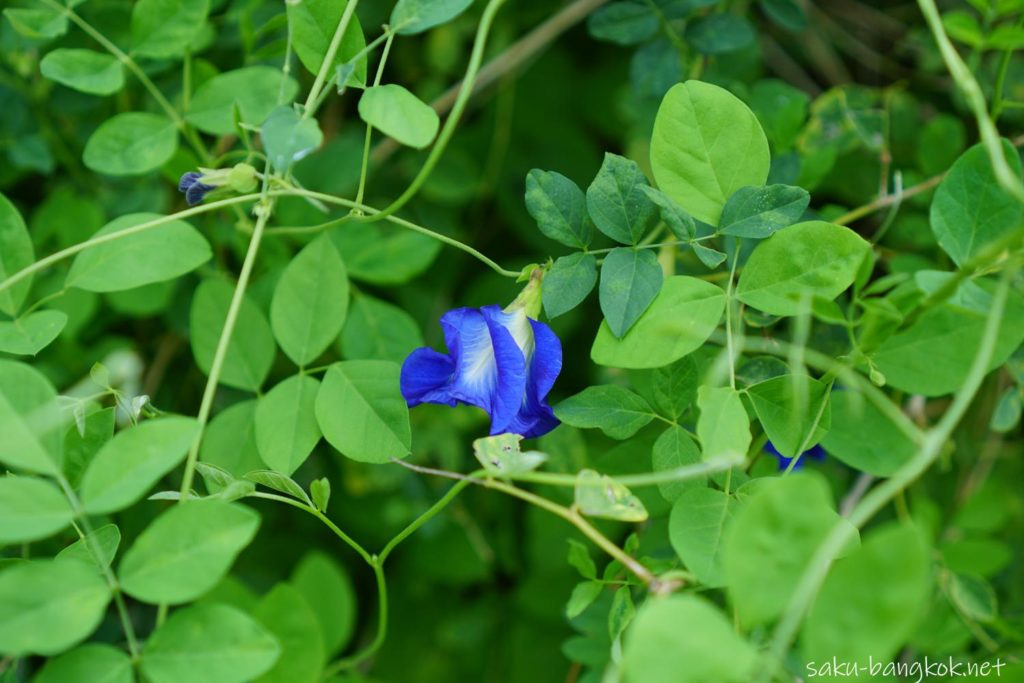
(193, 189)
(814, 453)
(504, 362)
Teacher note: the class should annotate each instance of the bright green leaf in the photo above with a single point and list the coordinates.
(31, 509)
(156, 254)
(416, 16)
(310, 302)
(761, 211)
(133, 461)
(287, 137)
(16, 253)
(706, 145)
(327, 587)
(93, 662)
(617, 203)
(286, 428)
(362, 413)
(31, 334)
(559, 207)
(696, 527)
(96, 73)
(132, 143)
(617, 411)
(723, 427)
(679, 321)
(166, 28)
(399, 114)
(630, 281)
(313, 23)
(253, 90)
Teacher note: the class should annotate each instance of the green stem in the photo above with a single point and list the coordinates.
(649, 479)
(369, 129)
(431, 512)
(90, 543)
(42, 263)
(814, 575)
(210, 391)
(732, 305)
(372, 212)
(975, 99)
(479, 43)
(573, 517)
(348, 540)
(382, 626)
(332, 50)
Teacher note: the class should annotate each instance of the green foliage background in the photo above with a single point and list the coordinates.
(802, 221)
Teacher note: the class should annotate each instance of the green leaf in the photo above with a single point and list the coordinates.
(251, 351)
(706, 145)
(384, 255)
(31, 509)
(378, 330)
(31, 334)
(871, 601)
(416, 16)
(1007, 413)
(16, 253)
(320, 491)
(501, 455)
(166, 28)
(770, 542)
(287, 137)
(132, 143)
(970, 209)
(934, 355)
(362, 413)
(288, 615)
(229, 441)
(328, 589)
(583, 595)
(696, 527)
(599, 495)
(106, 540)
(279, 482)
(630, 280)
(809, 260)
(579, 557)
(186, 551)
(617, 203)
(782, 110)
(617, 411)
(623, 23)
(559, 207)
(657, 649)
(794, 411)
(972, 595)
(94, 662)
(786, 13)
(399, 114)
(31, 420)
(679, 321)
(673, 388)
(621, 612)
(48, 606)
(723, 427)
(37, 24)
(96, 73)
(568, 282)
(679, 222)
(154, 255)
(128, 466)
(209, 643)
(253, 90)
(313, 23)
(963, 27)
(711, 258)
(853, 417)
(675, 449)
(310, 302)
(286, 428)
(719, 33)
(760, 211)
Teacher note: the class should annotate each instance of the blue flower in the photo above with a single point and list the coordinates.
(192, 187)
(814, 453)
(502, 361)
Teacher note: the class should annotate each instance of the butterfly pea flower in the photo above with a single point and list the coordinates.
(814, 453)
(501, 360)
(197, 184)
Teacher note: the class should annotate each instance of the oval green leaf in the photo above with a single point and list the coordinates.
(132, 143)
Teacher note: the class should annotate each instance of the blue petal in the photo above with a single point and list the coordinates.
(490, 368)
(426, 378)
(535, 417)
(195, 193)
(188, 180)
